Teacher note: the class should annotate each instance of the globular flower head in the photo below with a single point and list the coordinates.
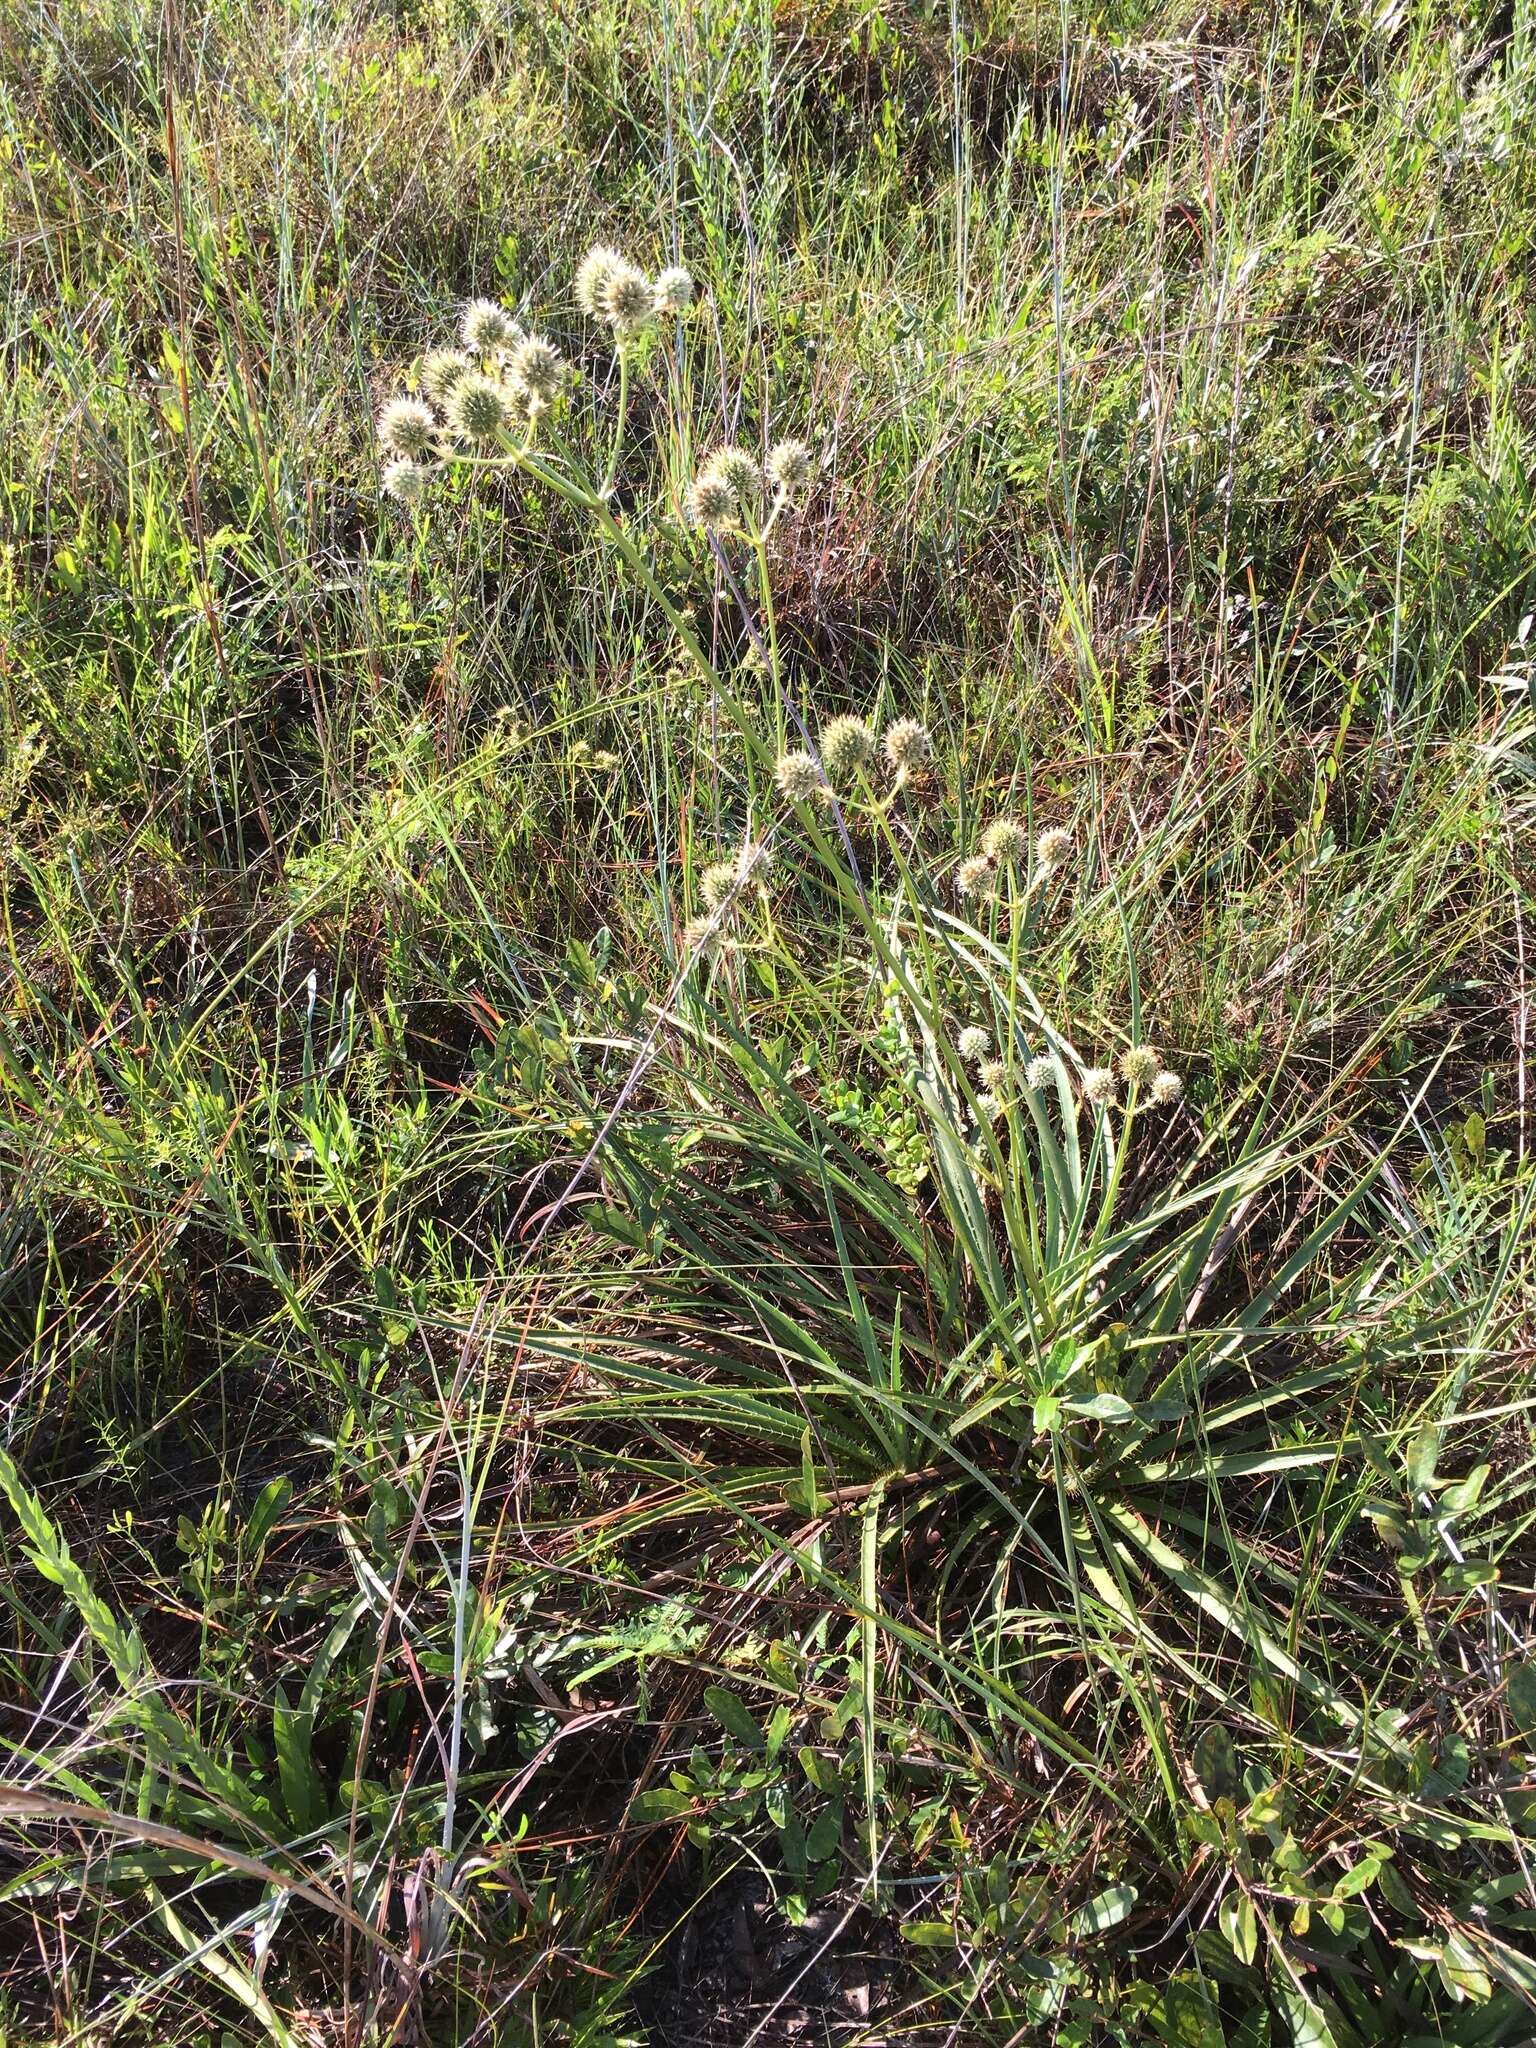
(674, 290)
(718, 881)
(1138, 1063)
(535, 368)
(754, 863)
(790, 467)
(992, 1074)
(712, 503)
(406, 427)
(737, 468)
(847, 748)
(405, 480)
(1167, 1088)
(1041, 1072)
(441, 369)
(975, 877)
(592, 274)
(1005, 840)
(485, 327)
(627, 299)
(988, 1108)
(974, 1042)
(799, 777)
(1100, 1086)
(1052, 847)
(477, 407)
(907, 745)
(702, 937)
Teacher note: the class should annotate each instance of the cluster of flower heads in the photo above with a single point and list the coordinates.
(724, 886)
(1005, 848)
(1140, 1067)
(734, 492)
(848, 750)
(498, 378)
(609, 287)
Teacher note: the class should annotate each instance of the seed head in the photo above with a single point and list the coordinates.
(974, 1042)
(717, 882)
(406, 427)
(1040, 1073)
(907, 745)
(485, 327)
(1005, 840)
(674, 291)
(737, 468)
(975, 877)
(535, 367)
(441, 369)
(1100, 1087)
(847, 748)
(477, 407)
(992, 1074)
(1166, 1089)
(754, 863)
(798, 777)
(790, 468)
(712, 503)
(1052, 847)
(703, 937)
(1138, 1063)
(405, 480)
(627, 299)
(592, 274)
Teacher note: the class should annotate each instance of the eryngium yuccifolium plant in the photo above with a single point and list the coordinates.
(405, 480)
(712, 504)
(485, 327)
(1005, 839)
(627, 299)
(974, 1042)
(1167, 1089)
(717, 882)
(789, 467)
(737, 468)
(1040, 1073)
(592, 274)
(988, 1108)
(1052, 847)
(992, 1074)
(799, 778)
(1138, 1064)
(674, 291)
(407, 427)
(847, 748)
(535, 366)
(1100, 1086)
(477, 407)
(975, 877)
(441, 369)
(907, 745)
(703, 936)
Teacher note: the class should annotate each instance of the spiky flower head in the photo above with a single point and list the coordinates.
(1167, 1088)
(477, 407)
(737, 468)
(406, 427)
(405, 480)
(798, 776)
(592, 274)
(535, 367)
(712, 503)
(1041, 1072)
(975, 877)
(1138, 1063)
(674, 290)
(847, 748)
(441, 369)
(703, 937)
(988, 1108)
(1100, 1086)
(627, 299)
(790, 467)
(1005, 840)
(485, 327)
(907, 745)
(974, 1042)
(717, 882)
(1052, 847)
(992, 1074)
(754, 863)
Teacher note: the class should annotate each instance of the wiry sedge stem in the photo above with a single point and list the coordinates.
(771, 624)
(605, 489)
